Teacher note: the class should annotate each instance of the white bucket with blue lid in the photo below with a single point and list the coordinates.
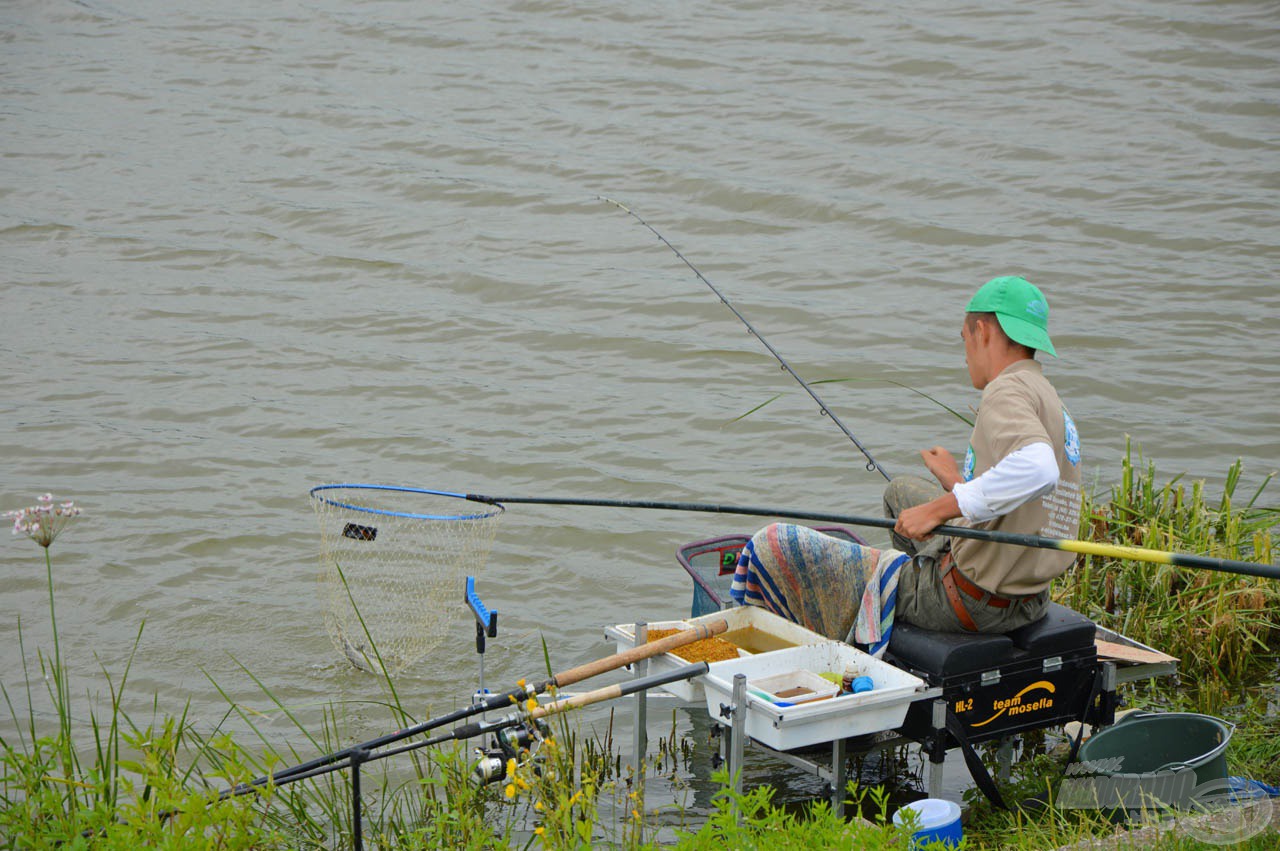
(937, 821)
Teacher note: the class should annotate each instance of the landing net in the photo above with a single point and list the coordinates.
(403, 553)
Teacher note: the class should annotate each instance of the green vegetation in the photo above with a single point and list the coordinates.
(1222, 627)
(120, 781)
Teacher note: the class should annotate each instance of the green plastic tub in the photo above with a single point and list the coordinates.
(1156, 757)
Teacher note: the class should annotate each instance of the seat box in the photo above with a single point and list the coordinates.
(1035, 677)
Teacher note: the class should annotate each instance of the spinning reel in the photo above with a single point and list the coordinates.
(521, 743)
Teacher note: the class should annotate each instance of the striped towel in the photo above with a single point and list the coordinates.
(812, 579)
(879, 602)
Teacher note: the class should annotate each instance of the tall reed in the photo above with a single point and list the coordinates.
(1222, 627)
(130, 788)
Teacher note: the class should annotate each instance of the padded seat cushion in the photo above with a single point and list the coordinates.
(946, 653)
(1061, 630)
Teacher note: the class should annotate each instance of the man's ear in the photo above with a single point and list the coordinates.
(982, 327)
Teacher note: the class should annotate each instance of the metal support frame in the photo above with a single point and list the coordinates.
(839, 775)
(357, 829)
(729, 727)
(732, 721)
(731, 730)
(937, 749)
(640, 736)
(739, 740)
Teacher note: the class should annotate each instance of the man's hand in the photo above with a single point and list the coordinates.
(943, 466)
(919, 521)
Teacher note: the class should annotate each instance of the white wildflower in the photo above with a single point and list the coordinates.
(42, 523)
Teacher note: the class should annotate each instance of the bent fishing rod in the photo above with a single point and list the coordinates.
(826, 411)
(1120, 551)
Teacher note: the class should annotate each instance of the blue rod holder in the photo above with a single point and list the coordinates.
(486, 619)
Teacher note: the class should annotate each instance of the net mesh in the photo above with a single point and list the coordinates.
(403, 553)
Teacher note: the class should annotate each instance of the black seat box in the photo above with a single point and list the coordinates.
(1037, 676)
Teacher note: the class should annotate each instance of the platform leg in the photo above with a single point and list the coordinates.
(1004, 758)
(640, 738)
(839, 775)
(737, 744)
(938, 754)
(1109, 701)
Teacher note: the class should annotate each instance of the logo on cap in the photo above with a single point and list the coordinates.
(1038, 309)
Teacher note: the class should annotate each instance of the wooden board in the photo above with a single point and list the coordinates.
(1125, 653)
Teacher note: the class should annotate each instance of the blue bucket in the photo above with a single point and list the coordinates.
(937, 820)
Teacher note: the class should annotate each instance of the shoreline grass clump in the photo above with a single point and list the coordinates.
(129, 789)
(1222, 627)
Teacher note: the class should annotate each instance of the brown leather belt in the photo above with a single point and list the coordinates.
(953, 582)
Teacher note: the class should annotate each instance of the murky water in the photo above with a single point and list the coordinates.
(249, 250)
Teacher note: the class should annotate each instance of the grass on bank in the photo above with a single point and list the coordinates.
(107, 784)
(1222, 627)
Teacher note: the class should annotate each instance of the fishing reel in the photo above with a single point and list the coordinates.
(520, 742)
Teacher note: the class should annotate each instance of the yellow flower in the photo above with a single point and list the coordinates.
(635, 814)
(576, 796)
(511, 790)
(537, 805)
(511, 768)
(531, 704)
(520, 683)
(539, 830)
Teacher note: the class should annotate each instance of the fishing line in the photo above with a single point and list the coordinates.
(872, 464)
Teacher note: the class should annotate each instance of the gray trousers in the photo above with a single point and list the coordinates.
(922, 599)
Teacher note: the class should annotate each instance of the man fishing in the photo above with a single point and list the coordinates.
(1021, 474)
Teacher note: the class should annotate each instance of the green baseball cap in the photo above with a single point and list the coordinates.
(1020, 308)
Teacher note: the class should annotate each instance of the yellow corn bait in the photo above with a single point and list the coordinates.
(712, 649)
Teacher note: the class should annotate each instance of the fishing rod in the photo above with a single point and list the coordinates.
(357, 756)
(872, 464)
(1222, 565)
(478, 728)
(505, 700)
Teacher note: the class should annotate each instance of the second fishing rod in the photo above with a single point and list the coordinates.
(823, 408)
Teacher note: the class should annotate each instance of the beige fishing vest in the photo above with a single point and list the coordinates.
(1020, 407)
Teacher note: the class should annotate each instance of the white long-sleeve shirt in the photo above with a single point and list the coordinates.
(1019, 477)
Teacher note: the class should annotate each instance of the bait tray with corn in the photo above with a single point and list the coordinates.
(751, 631)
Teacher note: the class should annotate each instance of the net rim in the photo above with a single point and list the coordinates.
(482, 515)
